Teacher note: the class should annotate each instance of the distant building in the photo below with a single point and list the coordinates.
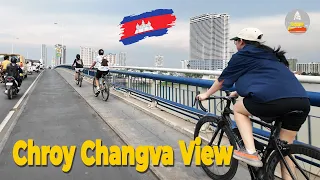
(292, 64)
(86, 54)
(44, 54)
(64, 55)
(111, 58)
(122, 58)
(158, 61)
(312, 67)
(58, 54)
(209, 37)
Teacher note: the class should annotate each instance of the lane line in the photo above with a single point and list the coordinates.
(6, 119)
(9, 115)
(24, 95)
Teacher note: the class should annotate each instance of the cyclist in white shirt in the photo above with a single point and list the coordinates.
(102, 67)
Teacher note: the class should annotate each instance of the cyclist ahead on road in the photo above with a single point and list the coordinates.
(79, 66)
(103, 68)
(261, 75)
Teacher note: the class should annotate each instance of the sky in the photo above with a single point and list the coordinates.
(95, 23)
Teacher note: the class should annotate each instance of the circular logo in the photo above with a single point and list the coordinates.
(297, 22)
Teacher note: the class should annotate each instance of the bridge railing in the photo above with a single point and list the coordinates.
(176, 95)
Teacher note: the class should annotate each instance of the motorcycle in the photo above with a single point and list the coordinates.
(11, 86)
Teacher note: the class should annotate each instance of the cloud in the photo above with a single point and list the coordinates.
(76, 29)
(102, 31)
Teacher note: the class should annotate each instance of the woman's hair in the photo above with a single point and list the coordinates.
(280, 54)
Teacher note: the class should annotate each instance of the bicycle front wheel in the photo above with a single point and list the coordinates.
(305, 158)
(224, 137)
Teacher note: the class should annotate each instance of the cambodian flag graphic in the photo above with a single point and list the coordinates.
(154, 23)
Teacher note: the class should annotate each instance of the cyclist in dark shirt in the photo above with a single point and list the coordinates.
(261, 75)
(79, 66)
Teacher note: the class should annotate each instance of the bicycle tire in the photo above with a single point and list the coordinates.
(234, 162)
(94, 85)
(80, 79)
(275, 157)
(106, 89)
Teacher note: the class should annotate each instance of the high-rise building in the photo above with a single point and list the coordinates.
(111, 58)
(64, 55)
(58, 54)
(292, 64)
(209, 36)
(44, 54)
(159, 61)
(86, 54)
(122, 58)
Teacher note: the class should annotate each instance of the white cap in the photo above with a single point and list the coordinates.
(250, 34)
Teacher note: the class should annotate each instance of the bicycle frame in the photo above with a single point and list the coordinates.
(274, 143)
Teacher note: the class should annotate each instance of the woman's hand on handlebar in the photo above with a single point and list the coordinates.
(234, 94)
(202, 96)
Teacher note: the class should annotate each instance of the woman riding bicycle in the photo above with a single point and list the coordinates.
(79, 66)
(269, 88)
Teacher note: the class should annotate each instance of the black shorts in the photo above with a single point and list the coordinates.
(100, 73)
(280, 107)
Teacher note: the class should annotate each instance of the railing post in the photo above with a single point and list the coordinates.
(309, 130)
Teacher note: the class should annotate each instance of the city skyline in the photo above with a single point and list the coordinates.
(39, 28)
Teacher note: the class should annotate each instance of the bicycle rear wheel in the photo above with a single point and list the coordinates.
(300, 153)
(105, 92)
(94, 86)
(221, 130)
(80, 79)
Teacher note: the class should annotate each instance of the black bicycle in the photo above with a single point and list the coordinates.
(271, 153)
(80, 78)
(105, 90)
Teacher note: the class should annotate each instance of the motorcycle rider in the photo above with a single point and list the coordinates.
(4, 65)
(14, 70)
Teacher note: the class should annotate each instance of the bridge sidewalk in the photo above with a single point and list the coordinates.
(139, 128)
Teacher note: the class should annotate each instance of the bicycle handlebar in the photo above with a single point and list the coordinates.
(227, 98)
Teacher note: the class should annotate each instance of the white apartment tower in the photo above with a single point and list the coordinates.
(111, 58)
(209, 36)
(44, 54)
(86, 55)
(122, 57)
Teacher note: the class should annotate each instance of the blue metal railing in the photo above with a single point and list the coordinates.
(169, 92)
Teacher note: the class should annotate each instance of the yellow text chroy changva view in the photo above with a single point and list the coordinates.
(95, 154)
